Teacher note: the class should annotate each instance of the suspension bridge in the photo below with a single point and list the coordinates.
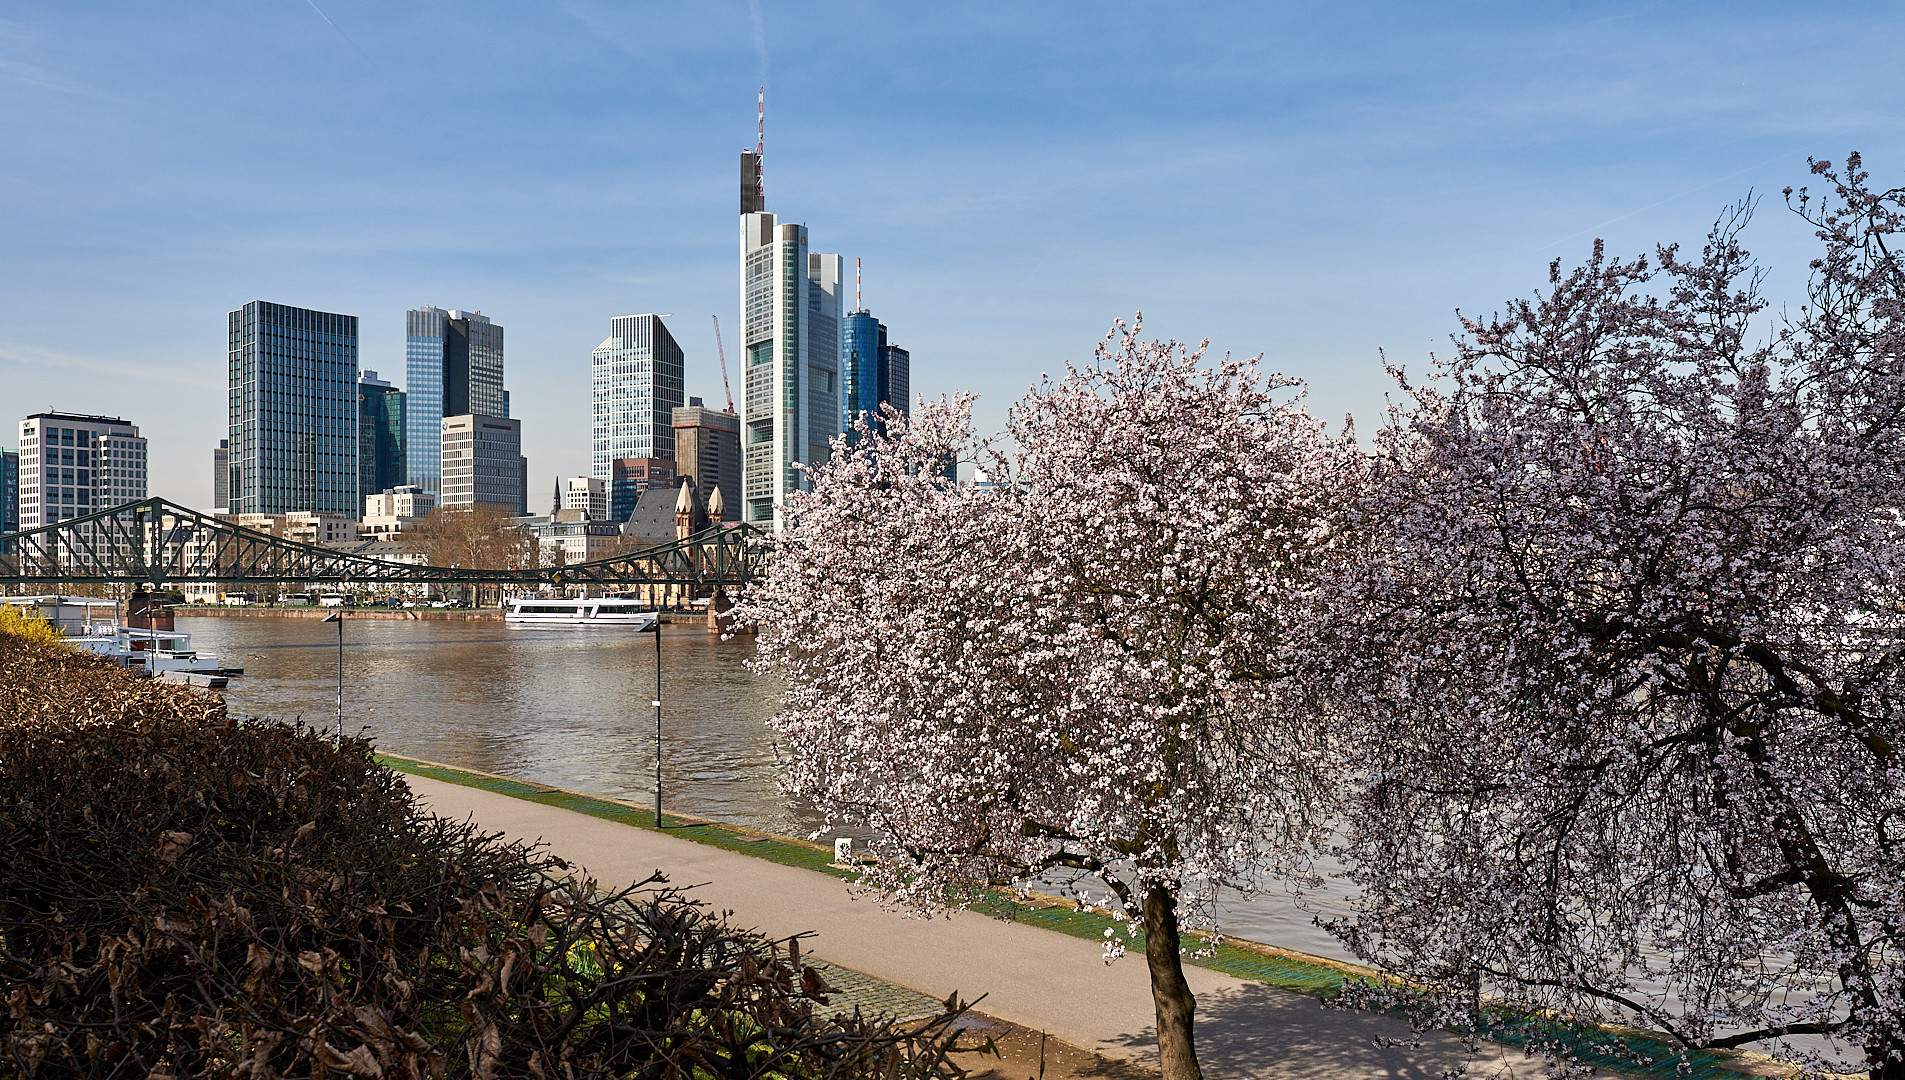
(158, 543)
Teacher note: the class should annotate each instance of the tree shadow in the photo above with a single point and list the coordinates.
(1256, 1031)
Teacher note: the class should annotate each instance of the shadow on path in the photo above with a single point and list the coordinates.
(1259, 1031)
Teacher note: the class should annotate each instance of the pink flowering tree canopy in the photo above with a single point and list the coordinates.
(1079, 671)
(1622, 653)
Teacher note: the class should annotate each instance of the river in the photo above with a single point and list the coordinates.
(570, 709)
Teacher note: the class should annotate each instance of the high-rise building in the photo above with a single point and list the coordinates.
(221, 476)
(72, 464)
(588, 495)
(629, 477)
(708, 450)
(482, 461)
(293, 411)
(453, 366)
(790, 319)
(9, 494)
(381, 426)
(878, 372)
(635, 383)
(896, 379)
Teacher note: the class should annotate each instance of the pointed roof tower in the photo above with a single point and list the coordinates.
(717, 507)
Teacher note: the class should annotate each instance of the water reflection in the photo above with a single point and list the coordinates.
(564, 707)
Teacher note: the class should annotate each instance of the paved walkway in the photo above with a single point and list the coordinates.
(1043, 980)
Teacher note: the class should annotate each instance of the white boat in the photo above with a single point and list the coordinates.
(579, 611)
(93, 625)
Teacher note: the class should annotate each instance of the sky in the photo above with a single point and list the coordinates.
(1311, 182)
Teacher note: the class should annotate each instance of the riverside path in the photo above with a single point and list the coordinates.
(1038, 978)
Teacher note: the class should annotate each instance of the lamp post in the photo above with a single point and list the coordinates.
(656, 630)
(338, 618)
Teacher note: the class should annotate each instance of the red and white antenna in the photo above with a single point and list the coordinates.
(857, 305)
(760, 146)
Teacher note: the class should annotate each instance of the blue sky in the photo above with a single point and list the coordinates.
(1312, 182)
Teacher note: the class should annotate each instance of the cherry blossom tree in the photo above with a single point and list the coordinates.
(1623, 651)
(1079, 671)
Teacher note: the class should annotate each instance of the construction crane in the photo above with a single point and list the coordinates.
(723, 353)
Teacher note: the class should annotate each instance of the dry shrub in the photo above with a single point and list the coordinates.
(182, 894)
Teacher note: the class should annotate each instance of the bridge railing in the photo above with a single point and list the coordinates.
(158, 542)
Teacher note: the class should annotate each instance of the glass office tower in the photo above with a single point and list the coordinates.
(790, 321)
(635, 384)
(453, 366)
(878, 372)
(221, 476)
(9, 494)
(861, 339)
(380, 435)
(293, 411)
(896, 377)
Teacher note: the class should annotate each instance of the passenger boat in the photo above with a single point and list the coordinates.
(579, 611)
(94, 626)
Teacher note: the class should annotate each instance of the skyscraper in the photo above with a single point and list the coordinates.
(72, 464)
(790, 319)
(221, 476)
(896, 379)
(9, 494)
(380, 435)
(293, 411)
(482, 461)
(635, 383)
(878, 372)
(453, 366)
(708, 450)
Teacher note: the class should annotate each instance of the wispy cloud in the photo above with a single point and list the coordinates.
(760, 34)
(1755, 167)
(12, 44)
(12, 353)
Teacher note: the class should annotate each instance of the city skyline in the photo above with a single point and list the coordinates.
(1313, 183)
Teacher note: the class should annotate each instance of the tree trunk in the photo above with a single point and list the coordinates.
(1177, 1045)
(1882, 1063)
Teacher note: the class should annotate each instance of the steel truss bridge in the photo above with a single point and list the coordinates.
(155, 542)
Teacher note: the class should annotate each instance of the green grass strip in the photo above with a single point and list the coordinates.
(1317, 979)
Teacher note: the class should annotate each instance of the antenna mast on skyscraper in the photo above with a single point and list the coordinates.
(760, 146)
(857, 305)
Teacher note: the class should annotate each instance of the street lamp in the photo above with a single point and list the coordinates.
(656, 630)
(338, 618)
